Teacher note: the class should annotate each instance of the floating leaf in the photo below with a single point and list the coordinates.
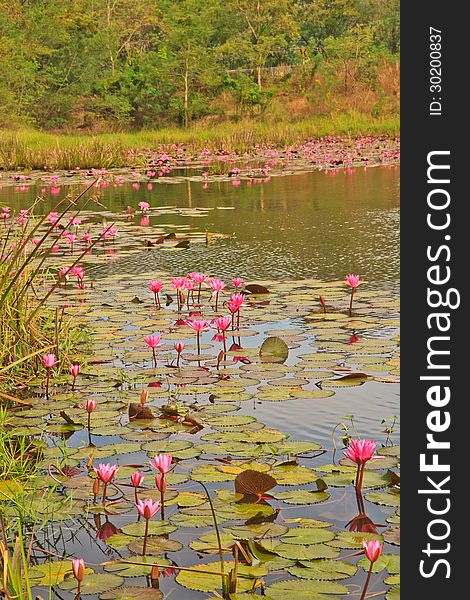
(324, 569)
(207, 578)
(308, 589)
(96, 583)
(274, 350)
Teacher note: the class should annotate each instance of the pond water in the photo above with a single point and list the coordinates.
(291, 233)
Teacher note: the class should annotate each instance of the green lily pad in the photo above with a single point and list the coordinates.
(304, 589)
(136, 566)
(207, 578)
(307, 535)
(301, 497)
(133, 593)
(324, 569)
(156, 527)
(96, 583)
(391, 562)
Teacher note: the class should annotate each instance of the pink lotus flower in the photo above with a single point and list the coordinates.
(198, 325)
(144, 206)
(179, 347)
(372, 549)
(49, 360)
(353, 280)
(78, 569)
(238, 282)
(106, 472)
(74, 370)
(160, 482)
(162, 462)
(137, 478)
(198, 277)
(86, 237)
(156, 287)
(152, 341)
(178, 283)
(217, 285)
(222, 323)
(90, 405)
(360, 451)
(147, 508)
(237, 299)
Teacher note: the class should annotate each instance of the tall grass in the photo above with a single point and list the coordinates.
(28, 326)
(29, 149)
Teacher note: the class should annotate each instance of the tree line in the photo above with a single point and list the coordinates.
(145, 63)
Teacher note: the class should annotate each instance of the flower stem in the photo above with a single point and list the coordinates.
(351, 302)
(144, 549)
(366, 584)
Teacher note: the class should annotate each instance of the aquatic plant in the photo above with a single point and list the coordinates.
(372, 550)
(353, 281)
(147, 509)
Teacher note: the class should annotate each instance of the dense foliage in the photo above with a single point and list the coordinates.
(142, 63)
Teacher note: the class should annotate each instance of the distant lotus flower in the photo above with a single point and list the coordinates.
(90, 406)
(63, 273)
(48, 361)
(234, 305)
(373, 550)
(217, 286)
(198, 278)
(353, 281)
(198, 326)
(162, 463)
(153, 341)
(36, 241)
(78, 569)
(156, 287)
(222, 324)
(74, 371)
(86, 237)
(144, 206)
(105, 473)
(136, 479)
(179, 284)
(238, 282)
(179, 347)
(147, 509)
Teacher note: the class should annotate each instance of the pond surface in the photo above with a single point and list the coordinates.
(304, 225)
(290, 233)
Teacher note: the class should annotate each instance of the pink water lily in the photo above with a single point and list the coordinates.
(361, 451)
(74, 371)
(222, 324)
(144, 206)
(179, 347)
(156, 287)
(238, 282)
(372, 550)
(198, 278)
(162, 463)
(105, 473)
(217, 286)
(353, 281)
(136, 479)
(48, 361)
(199, 326)
(153, 341)
(78, 570)
(147, 509)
